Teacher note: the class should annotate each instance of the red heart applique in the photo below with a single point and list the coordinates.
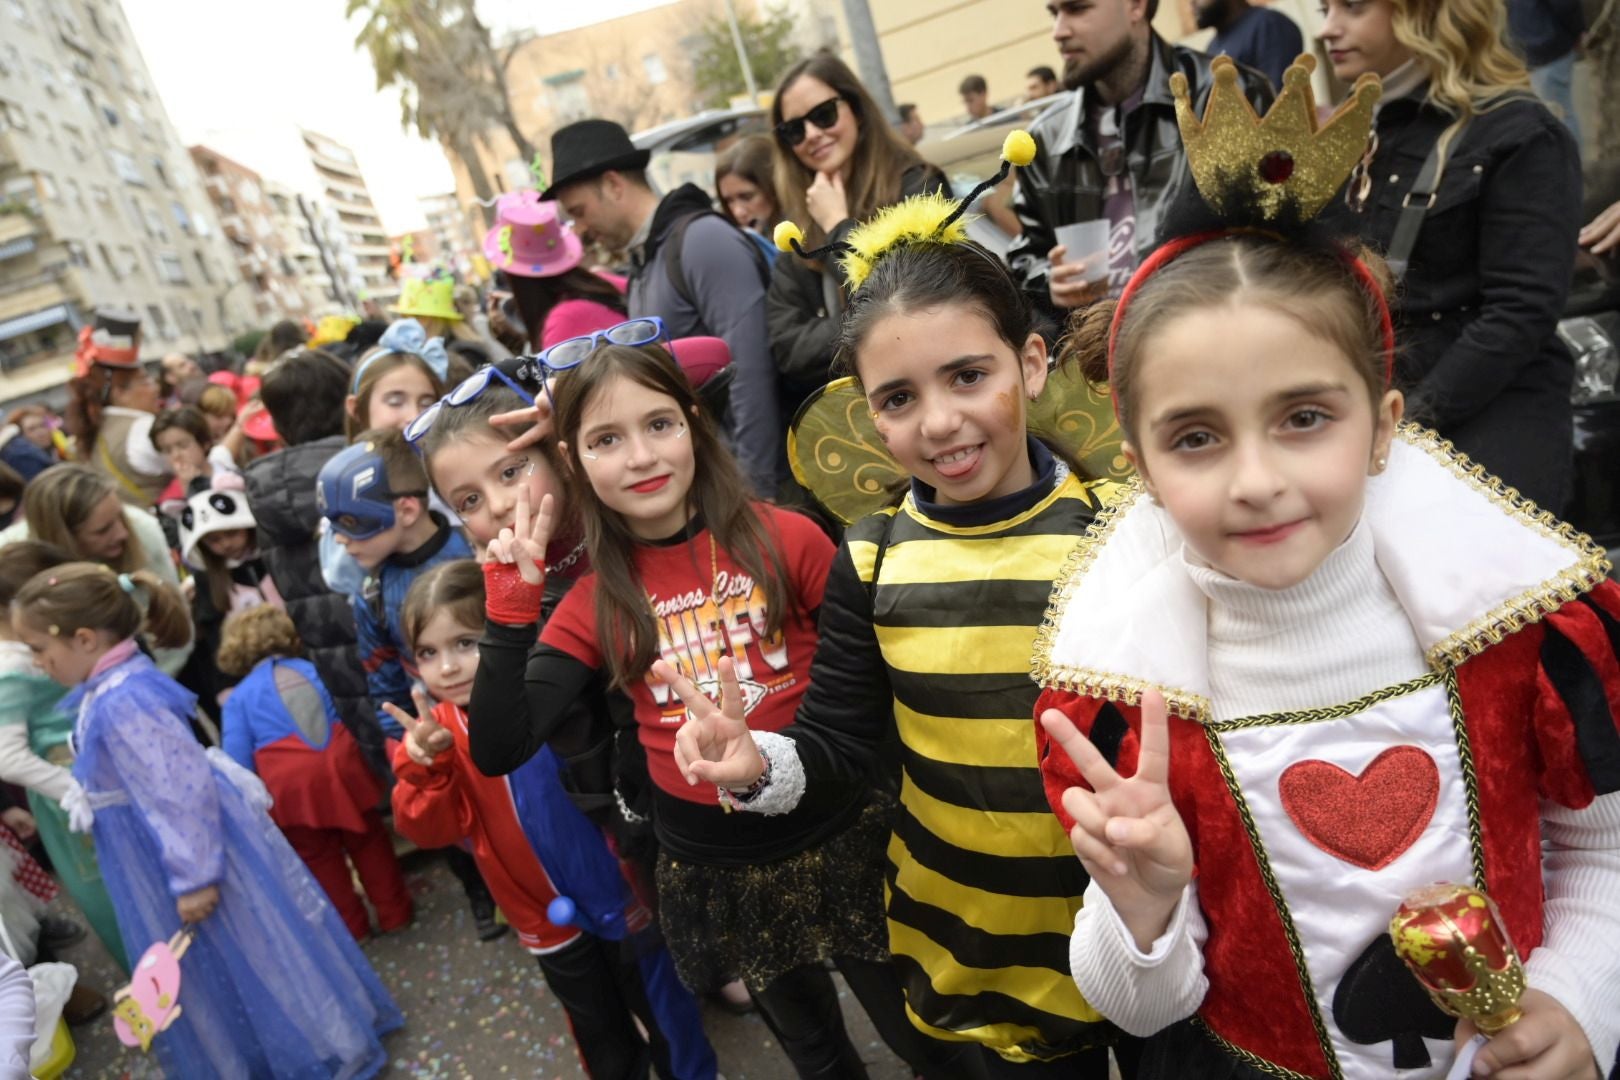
(1368, 820)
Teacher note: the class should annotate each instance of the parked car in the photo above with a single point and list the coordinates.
(684, 151)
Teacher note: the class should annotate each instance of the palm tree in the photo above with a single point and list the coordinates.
(452, 81)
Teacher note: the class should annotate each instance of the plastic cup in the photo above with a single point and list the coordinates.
(1087, 242)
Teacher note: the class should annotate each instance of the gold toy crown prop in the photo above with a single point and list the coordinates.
(1285, 165)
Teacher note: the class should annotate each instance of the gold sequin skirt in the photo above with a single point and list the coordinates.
(759, 922)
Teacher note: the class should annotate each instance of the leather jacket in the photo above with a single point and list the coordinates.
(1064, 184)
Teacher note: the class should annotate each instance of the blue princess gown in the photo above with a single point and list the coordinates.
(273, 984)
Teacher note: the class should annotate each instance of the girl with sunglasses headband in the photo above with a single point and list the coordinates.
(691, 579)
(837, 162)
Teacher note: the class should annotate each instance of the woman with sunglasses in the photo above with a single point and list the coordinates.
(837, 162)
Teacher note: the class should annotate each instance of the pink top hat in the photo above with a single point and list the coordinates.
(528, 239)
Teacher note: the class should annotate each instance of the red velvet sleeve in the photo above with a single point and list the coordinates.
(429, 807)
(1576, 718)
(1110, 727)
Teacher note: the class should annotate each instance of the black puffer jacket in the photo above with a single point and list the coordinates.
(281, 493)
(803, 329)
(1477, 312)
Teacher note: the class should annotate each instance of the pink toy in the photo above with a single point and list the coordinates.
(151, 1001)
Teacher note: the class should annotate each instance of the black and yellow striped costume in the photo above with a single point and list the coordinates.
(983, 884)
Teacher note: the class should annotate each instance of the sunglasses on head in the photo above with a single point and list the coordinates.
(824, 116)
(467, 390)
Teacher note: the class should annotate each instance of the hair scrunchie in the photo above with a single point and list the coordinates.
(127, 583)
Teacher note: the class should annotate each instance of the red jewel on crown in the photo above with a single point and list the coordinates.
(1276, 167)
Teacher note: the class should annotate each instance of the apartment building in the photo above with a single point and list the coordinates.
(248, 221)
(99, 201)
(343, 190)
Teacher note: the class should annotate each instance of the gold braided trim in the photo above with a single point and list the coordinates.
(1534, 604)
(1248, 1057)
(1465, 756)
(1277, 900)
(1332, 712)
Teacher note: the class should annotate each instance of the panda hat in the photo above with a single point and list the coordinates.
(222, 507)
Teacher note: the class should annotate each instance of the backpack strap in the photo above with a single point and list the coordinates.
(674, 245)
(1417, 203)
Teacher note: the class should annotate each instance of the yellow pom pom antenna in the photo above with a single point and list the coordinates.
(787, 236)
(922, 218)
(929, 218)
(1018, 148)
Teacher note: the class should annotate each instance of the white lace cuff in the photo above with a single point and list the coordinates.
(785, 787)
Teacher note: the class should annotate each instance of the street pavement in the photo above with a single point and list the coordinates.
(471, 1009)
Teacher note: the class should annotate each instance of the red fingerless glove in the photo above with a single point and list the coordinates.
(508, 599)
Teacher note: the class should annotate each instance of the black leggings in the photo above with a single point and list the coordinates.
(801, 1009)
(599, 992)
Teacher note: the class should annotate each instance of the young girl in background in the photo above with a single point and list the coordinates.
(36, 752)
(747, 190)
(930, 612)
(273, 983)
(219, 407)
(394, 382)
(1382, 668)
(686, 568)
(280, 723)
(184, 437)
(533, 845)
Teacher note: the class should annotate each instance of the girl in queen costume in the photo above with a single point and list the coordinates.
(1315, 660)
(273, 984)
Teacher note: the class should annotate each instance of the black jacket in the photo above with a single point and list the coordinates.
(1477, 312)
(1064, 184)
(803, 330)
(281, 494)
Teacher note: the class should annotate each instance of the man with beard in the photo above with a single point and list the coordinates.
(1112, 153)
(1266, 40)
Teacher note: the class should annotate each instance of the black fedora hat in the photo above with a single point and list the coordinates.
(588, 148)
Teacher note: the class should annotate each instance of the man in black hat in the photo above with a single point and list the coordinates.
(689, 265)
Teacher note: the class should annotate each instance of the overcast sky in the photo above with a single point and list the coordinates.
(239, 76)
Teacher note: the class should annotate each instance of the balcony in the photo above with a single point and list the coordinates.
(19, 235)
(35, 293)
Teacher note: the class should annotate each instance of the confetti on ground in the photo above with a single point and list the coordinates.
(471, 1009)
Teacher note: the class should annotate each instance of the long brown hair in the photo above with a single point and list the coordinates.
(536, 296)
(881, 155)
(752, 158)
(719, 497)
(61, 498)
(82, 595)
(88, 397)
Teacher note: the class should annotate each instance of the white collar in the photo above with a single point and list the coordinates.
(1468, 560)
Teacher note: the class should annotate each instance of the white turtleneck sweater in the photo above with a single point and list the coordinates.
(1336, 636)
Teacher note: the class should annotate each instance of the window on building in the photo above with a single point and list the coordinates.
(652, 65)
(13, 117)
(129, 261)
(171, 269)
(154, 224)
(202, 268)
(107, 261)
(76, 253)
(102, 196)
(160, 171)
(19, 10)
(10, 62)
(160, 321)
(125, 167)
(181, 218)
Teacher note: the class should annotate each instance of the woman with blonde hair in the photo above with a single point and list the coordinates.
(838, 161)
(1472, 189)
(78, 509)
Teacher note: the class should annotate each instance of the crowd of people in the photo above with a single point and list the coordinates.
(542, 584)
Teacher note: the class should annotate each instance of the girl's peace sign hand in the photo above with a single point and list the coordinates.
(425, 737)
(535, 422)
(524, 544)
(714, 743)
(1127, 832)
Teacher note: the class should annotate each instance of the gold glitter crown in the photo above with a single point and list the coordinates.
(1281, 167)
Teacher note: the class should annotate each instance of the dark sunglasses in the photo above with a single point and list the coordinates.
(824, 116)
